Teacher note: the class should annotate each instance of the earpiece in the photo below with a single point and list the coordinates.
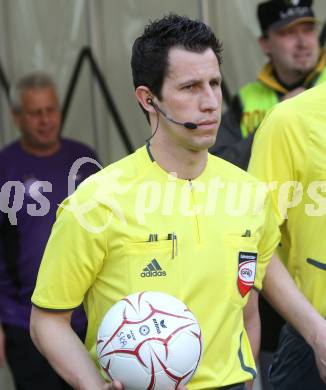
(187, 125)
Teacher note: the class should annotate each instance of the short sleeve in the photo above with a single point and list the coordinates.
(74, 254)
(279, 156)
(268, 242)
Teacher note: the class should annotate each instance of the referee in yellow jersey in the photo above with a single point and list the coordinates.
(169, 217)
(165, 218)
(290, 153)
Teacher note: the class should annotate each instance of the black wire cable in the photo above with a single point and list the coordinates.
(156, 128)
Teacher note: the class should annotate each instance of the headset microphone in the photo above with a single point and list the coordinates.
(187, 125)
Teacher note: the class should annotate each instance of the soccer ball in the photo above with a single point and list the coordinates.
(149, 340)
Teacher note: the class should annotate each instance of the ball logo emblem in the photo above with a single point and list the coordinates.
(144, 330)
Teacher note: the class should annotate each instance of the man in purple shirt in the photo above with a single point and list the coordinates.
(36, 173)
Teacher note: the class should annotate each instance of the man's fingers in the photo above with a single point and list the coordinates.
(115, 385)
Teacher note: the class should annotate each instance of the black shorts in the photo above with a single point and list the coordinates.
(294, 366)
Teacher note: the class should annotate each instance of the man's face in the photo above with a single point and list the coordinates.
(294, 51)
(191, 92)
(39, 119)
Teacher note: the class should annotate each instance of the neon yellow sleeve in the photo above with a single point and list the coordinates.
(279, 156)
(268, 243)
(73, 256)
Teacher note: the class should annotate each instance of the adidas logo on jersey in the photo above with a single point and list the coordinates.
(153, 269)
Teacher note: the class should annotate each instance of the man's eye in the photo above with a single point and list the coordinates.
(189, 87)
(215, 83)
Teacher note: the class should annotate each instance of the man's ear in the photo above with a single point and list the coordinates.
(145, 98)
(264, 45)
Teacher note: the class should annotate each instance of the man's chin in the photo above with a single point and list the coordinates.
(304, 69)
(204, 144)
(210, 141)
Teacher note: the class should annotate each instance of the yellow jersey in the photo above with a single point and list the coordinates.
(289, 152)
(134, 227)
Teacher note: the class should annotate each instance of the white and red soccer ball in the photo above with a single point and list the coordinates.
(149, 340)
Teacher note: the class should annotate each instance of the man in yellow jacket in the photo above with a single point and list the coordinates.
(295, 63)
(289, 152)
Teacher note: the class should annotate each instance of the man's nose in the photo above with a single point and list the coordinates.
(301, 39)
(209, 100)
(45, 116)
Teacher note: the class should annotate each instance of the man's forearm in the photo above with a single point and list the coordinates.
(282, 293)
(55, 339)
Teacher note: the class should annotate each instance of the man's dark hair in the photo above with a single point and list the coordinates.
(149, 61)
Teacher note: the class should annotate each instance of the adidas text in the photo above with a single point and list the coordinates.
(148, 274)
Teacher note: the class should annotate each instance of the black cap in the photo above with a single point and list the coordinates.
(277, 14)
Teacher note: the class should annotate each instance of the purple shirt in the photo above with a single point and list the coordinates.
(26, 218)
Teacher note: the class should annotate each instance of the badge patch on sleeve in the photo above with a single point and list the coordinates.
(246, 271)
